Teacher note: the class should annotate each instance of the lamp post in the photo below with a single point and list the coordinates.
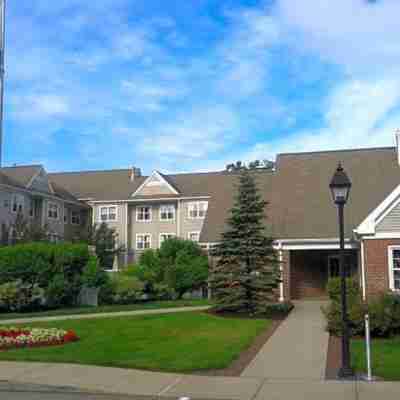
(340, 187)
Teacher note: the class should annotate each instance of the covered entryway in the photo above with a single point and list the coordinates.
(311, 269)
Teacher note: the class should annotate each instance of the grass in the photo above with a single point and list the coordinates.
(180, 342)
(106, 309)
(385, 357)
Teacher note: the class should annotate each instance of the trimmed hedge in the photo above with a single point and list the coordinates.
(384, 311)
(55, 268)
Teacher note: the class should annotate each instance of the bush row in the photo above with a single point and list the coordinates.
(384, 311)
(37, 274)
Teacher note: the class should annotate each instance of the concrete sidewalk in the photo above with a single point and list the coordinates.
(297, 349)
(153, 385)
(103, 315)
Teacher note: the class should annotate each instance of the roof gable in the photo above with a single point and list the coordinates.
(156, 184)
(40, 182)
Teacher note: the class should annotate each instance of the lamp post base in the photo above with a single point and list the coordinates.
(346, 373)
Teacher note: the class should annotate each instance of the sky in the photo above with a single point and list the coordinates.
(193, 85)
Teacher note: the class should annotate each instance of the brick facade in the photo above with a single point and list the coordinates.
(377, 264)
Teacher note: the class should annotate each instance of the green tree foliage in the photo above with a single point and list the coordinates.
(25, 231)
(105, 240)
(246, 274)
(252, 165)
(178, 265)
(93, 275)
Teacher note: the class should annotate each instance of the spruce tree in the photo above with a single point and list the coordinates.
(246, 273)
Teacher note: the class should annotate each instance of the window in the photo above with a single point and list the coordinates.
(75, 218)
(143, 241)
(167, 212)
(6, 203)
(166, 236)
(17, 203)
(52, 211)
(198, 209)
(65, 215)
(194, 236)
(107, 214)
(143, 214)
(31, 209)
(394, 267)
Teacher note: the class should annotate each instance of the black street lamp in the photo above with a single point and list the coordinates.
(340, 187)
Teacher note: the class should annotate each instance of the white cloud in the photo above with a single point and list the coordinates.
(39, 106)
(357, 114)
(360, 35)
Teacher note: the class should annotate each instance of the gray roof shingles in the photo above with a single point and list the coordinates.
(300, 206)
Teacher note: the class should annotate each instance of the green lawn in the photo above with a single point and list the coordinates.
(179, 342)
(113, 308)
(385, 357)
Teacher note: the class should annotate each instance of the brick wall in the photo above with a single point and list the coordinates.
(377, 264)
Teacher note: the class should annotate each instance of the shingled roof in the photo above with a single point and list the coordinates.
(21, 176)
(300, 206)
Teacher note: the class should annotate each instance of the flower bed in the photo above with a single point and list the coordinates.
(11, 338)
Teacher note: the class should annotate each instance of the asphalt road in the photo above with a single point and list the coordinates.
(10, 391)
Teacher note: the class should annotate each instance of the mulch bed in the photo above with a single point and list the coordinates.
(245, 358)
(334, 357)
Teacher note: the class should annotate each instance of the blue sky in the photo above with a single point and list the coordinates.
(193, 85)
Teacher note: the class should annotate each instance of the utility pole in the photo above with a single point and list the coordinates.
(2, 70)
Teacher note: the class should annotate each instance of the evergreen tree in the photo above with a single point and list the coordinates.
(246, 272)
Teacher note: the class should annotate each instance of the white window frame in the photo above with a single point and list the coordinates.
(52, 204)
(108, 207)
(194, 233)
(196, 205)
(172, 234)
(138, 208)
(137, 241)
(79, 218)
(19, 201)
(167, 219)
(391, 267)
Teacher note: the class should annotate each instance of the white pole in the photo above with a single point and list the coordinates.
(368, 348)
(2, 50)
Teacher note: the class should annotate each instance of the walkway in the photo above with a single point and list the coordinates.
(153, 385)
(102, 315)
(298, 348)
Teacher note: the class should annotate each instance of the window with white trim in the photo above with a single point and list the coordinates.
(194, 236)
(75, 217)
(167, 212)
(108, 214)
(143, 241)
(394, 267)
(143, 214)
(17, 203)
(65, 215)
(197, 209)
(166, 236)
(52, 211)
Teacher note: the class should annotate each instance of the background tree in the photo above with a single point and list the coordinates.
(246, 274)
(105, 241)
(256, 164)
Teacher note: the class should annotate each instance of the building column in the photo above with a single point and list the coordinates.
(286, 274)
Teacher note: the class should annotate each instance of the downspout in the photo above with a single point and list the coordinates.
(178, 219)
(363, 276)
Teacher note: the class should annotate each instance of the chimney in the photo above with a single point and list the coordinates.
(397, 137)
(135, 173)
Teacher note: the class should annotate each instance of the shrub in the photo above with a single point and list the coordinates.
(107, 292)
(128, 290)
(334, 289)
(93, 275)
(278, 309)
(384, 312)
(17, 296)
(56, 268)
